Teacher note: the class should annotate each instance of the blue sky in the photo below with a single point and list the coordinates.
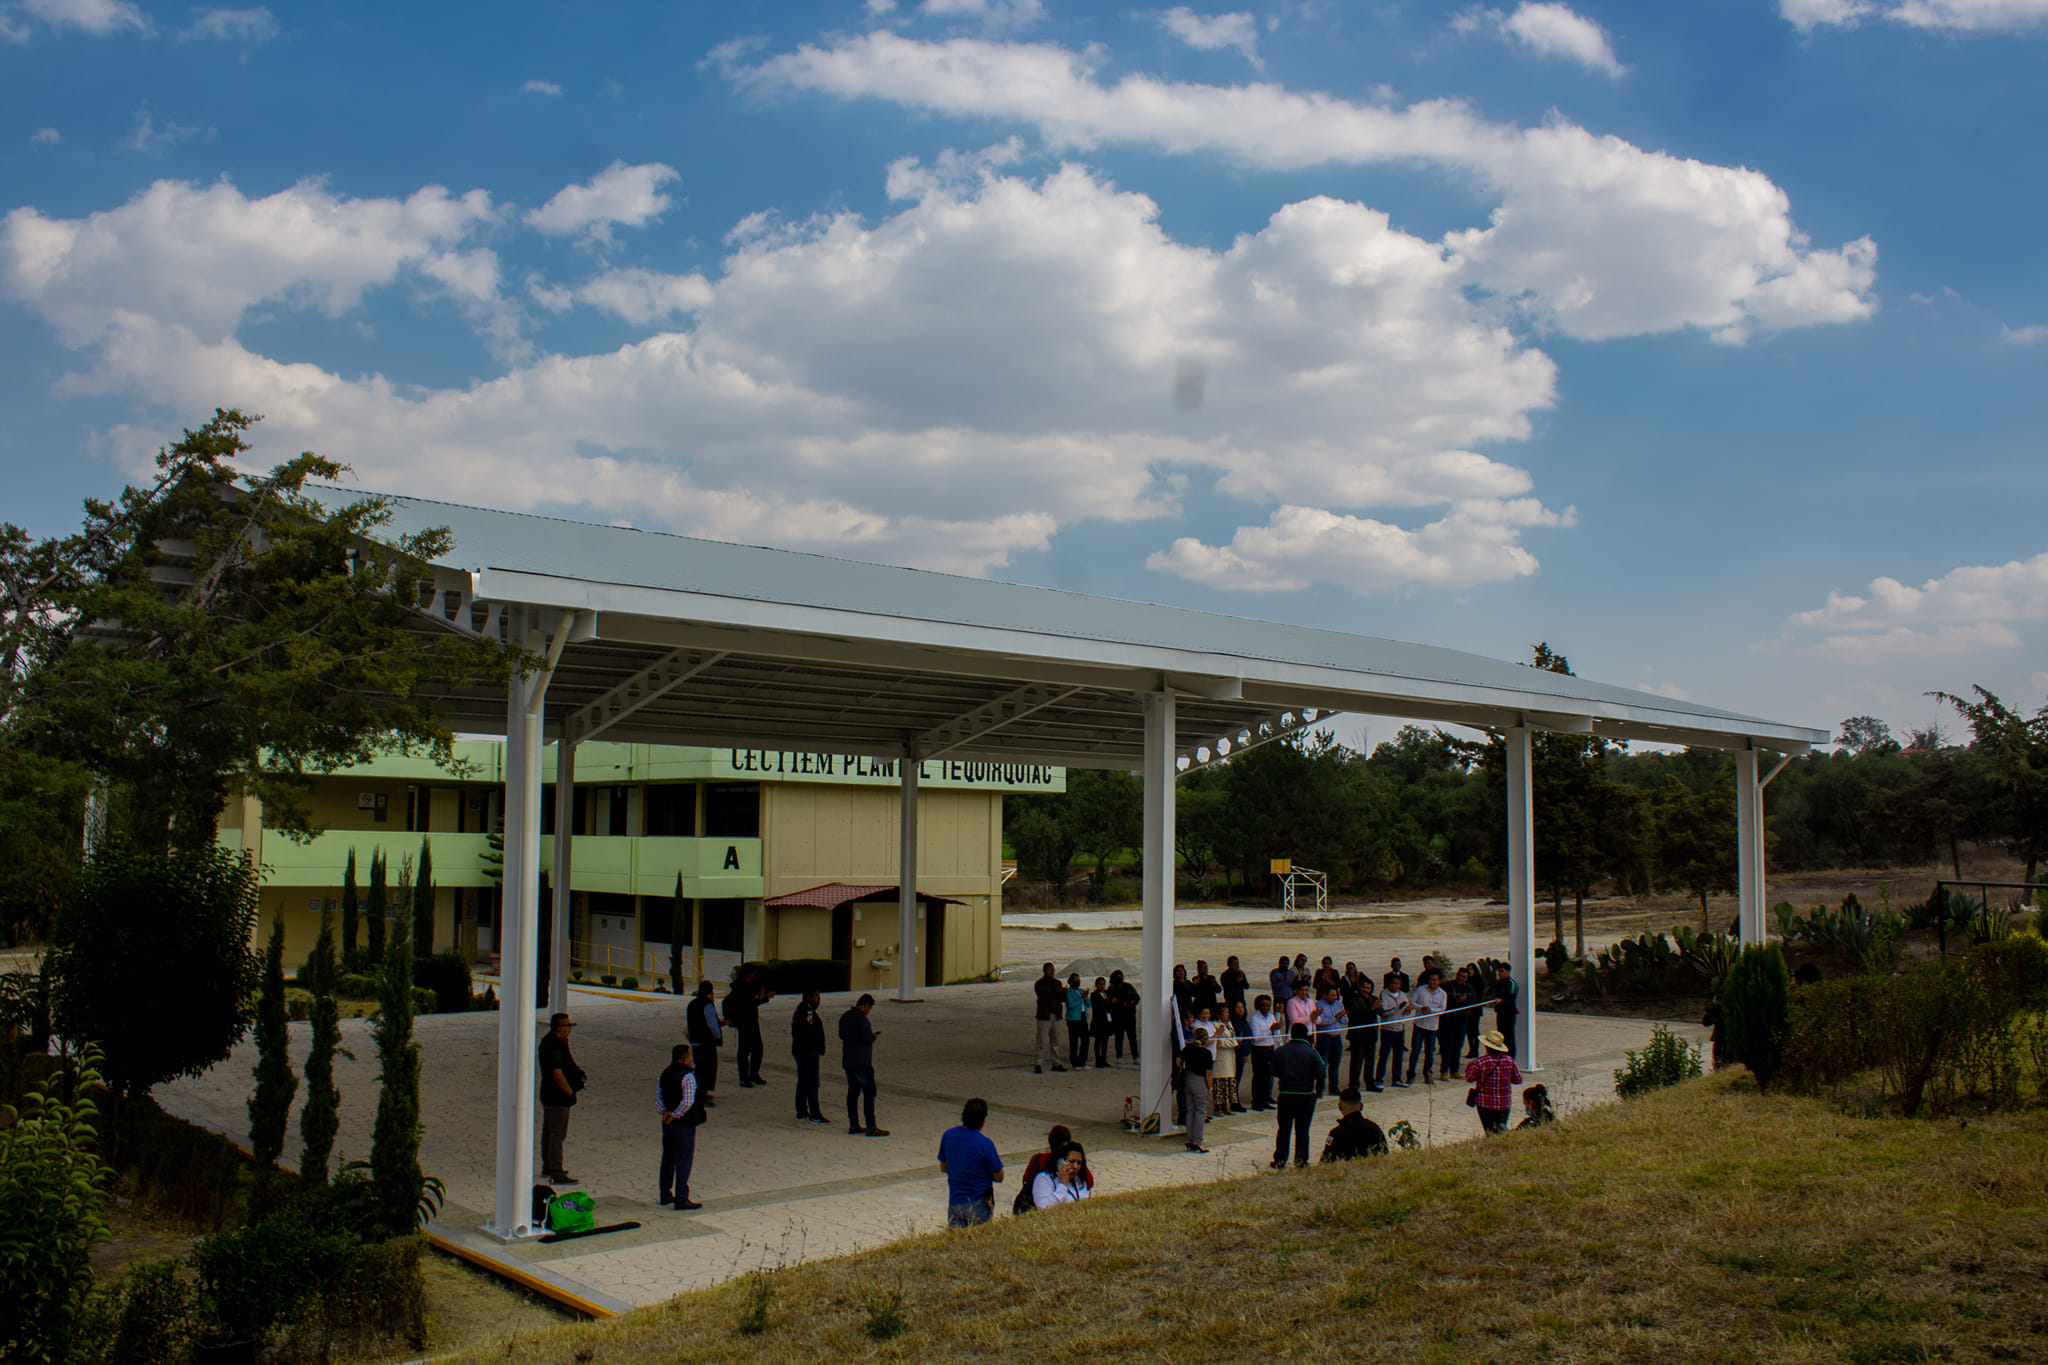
(1707, 342)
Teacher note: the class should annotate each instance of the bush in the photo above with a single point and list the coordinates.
(1754, 1010)
(795, 975)
(446, 975)
(251, 1279)
(50, 1178)
(193, 1173)
(298, 1004)
(423, 1000)
(355, 986)
(1667, 1060)
(631, 983)
(149, 1316)
(1557, 957)
(608, 979)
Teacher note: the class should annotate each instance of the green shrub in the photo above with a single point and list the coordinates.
(424, 1001)
(1557, 957)
(298, 1004)
(446, 975)
(355, 986)
(1667, 1060)
(150, 1316)
(50, 1178)
(195, 1174)
(608, 979)
(631, 983)
(795, 975)
(1754, 1010)
(252, 1279)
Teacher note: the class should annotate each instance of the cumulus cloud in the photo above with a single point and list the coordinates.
(1972, 607)
(150, 136)
(540, 87)
(100, 18)
(871, 388)
(994, 16)
(2033, 334)
(234, 25)
(45, 137)
(1213, 32)
(1958, 16)
(1592, 235)
(1547, 30)
(621, 194)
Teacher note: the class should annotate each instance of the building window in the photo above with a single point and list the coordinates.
(724, 924)
(419, 805)
(579, 815)
(617, 824)
(671, 809)
(732, 810)
(547, 809)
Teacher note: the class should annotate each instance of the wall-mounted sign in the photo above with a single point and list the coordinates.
(366, 800)
(795, 764)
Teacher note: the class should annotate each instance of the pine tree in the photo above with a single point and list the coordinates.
(423, 903)
(348, 909)
(395, 1174)
(321, 1118)
(1755, 1006)
(679, 916)
(374, 908)
(270, 1106)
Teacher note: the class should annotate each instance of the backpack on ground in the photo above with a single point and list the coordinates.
(572, 1212)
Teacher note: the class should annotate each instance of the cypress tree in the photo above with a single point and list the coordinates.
(348, 910)
(678, 917)
(1755, 1007)
(321, 1118)
(374, 908)
(270, 1106)
(395, 1175)
(423, 903)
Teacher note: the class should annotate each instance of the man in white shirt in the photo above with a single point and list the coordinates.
(1329, 1026)
(1393, 1028)
(1267, 1029)
(1426, 1006)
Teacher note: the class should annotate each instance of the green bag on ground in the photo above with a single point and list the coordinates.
(572, 1212)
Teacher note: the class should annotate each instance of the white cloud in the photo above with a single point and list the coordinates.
(150, 136)
(1972, 607)
(1548, 30)
(540, 87)
(1592, 235)
(994, 16)
(629, 195)
(1211, 33)
(878, 8)
(234, 25)
(873, 388)
(45, 137)
(2032, 334)
(101, 18)
(1960, 16)
(1301, 546)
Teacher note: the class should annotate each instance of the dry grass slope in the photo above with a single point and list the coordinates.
(1701, 1223)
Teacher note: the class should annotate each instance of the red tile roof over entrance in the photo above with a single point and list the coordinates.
(834, 894)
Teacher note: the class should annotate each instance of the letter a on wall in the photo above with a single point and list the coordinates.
(732, 857)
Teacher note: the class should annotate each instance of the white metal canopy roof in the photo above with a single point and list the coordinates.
(685, 641)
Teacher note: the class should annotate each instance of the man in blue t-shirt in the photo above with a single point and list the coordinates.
(972, 1167)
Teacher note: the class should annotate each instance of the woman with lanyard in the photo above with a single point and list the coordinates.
(1067, 1183)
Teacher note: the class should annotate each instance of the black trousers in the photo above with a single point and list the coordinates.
(1362, 1045)
(750, 1053)
(1262, 1077)
(678, 1155)
(1392, 1045)
(860, 1085)
(1103, 1029)
(704, 1056)
(807, 1086)
(1126, 1027)
(1297, 1114)
(1077, 1042)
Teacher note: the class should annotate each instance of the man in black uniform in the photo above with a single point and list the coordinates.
(560, 1079)
(1355, 1135)
(806, 1046)
(1297, 1072)
(677, 1101)
(743, 1012)
(705, 1031)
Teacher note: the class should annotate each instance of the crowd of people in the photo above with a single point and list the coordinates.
(1293, 1038)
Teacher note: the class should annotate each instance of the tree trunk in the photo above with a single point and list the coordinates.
(1557, 911)
(1706, 924)
(1955, 856)
(1579, 930)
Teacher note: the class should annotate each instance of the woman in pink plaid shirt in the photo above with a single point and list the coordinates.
(1494, 1076)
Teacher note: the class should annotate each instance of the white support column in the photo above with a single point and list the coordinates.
(1522, 894)
(565, 847)
(1155, 1033)
(1749, 853)
(909, 962)
(519, 928)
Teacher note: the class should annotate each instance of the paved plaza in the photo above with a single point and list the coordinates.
(776, 1191)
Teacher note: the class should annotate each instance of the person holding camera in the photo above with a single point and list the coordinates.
(560, 1079)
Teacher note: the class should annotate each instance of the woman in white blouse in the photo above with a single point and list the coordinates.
(1067, 1184)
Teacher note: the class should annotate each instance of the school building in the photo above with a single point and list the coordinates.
(670, 843)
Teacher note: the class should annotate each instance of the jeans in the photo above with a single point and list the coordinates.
(807, 1106)
(1297, 1113)
(554, 1126)
(750, 1053)
(860, 1084)
(1422, 1050)
(1195, 1091)
(678, 1154)
(967, 1215)
(1392, 1044)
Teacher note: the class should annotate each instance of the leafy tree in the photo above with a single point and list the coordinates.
(148, 928)
(1042, 833)
(1867, 734)
(50, 1179)
(1935, 811)
(1197, 813)
(1755, 1006)
(422, 908)
(348, 909)
(215, 630)
(395, 1175)
(1696, 850)
(2015, 751)
(270, 1104)
(1107, 812)
(42, 803)
(374, 906)
(320, 1120)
